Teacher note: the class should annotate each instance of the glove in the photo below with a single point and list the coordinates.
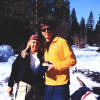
(42, 69)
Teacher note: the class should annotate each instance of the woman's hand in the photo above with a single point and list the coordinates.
(9, 90)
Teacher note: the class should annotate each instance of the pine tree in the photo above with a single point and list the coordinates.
(90, 22)
(61, 10)
(30, 12)
(90, 29)
(82, 35)
(82, 27)
(74, 23)
(61, 13)
(75, 29)
(97, 31)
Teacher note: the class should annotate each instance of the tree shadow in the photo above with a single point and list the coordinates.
(94, 76)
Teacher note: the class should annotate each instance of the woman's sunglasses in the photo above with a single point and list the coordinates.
(48, 29)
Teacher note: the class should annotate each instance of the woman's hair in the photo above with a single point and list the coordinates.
(27, 49)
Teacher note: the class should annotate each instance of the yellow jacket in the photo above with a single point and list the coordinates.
(61, 55)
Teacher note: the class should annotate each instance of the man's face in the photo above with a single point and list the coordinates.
(34, 44)
(47, 32)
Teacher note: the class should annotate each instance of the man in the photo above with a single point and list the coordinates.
(60, 58)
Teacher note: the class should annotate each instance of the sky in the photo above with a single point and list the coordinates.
(84, 7)
(88, 61)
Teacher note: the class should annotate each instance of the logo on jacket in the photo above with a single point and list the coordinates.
(54, 47)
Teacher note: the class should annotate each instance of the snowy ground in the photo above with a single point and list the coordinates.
(87, 69)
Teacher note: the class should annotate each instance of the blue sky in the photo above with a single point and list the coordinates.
(83, 8)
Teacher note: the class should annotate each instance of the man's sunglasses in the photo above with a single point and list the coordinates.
(48, 29)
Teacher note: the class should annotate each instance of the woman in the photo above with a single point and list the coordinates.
(27, 69)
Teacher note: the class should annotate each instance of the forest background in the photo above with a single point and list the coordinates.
(19, 18)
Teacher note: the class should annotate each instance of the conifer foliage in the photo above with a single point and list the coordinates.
(19, 18)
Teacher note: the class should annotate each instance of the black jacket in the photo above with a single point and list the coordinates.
(21, 71)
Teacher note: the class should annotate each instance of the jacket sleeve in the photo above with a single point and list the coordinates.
(68, 55)
(14, 71)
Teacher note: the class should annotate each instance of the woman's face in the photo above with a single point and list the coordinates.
(34, 45)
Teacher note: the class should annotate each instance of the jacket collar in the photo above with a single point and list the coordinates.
(55, 40)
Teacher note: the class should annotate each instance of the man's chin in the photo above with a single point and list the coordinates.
(48, 39)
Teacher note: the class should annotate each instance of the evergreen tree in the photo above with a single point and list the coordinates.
(28, 13)
(13, 22)
(82, 36)
(44, 10)
(90, 29)
(97, 31)
(82, 27)
(74, 23)
(61, 13)
(19, 10)
(90, 22)
(75, 29)
(61, 10)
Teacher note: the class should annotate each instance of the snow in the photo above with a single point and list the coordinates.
(88, 61)
(6, 51)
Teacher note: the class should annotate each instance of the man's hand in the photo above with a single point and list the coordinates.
(9, 90)
(50, 67)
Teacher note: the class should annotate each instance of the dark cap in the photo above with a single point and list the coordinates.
(34, 37)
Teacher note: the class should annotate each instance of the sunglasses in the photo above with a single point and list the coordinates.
(48, 29)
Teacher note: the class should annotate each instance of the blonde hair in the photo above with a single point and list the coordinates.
(24, 52)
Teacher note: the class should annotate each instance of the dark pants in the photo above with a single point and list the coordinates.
(56, 92)
(33, 93)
